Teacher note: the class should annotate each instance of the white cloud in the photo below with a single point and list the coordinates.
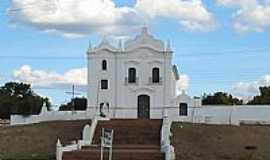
(75, 18)
(251, 15)
(238, 3)
(191, 14)
(182, 84)
(46, 79)
(246, 90)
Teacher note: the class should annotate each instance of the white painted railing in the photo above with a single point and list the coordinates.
(87, 139)
(165, 141)
(93, 129)
(61, 149)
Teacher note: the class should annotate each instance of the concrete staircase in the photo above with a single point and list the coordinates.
(134, 139)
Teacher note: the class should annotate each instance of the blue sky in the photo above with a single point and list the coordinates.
(219, 58)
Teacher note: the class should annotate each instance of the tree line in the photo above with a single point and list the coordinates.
(19, 98)
(222, 98)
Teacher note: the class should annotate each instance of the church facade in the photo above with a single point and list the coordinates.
(138, 80)
(135, 80)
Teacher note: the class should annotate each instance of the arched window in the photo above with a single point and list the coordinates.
(132, 75)
(104, 65)
(183, 109)
(155, 75)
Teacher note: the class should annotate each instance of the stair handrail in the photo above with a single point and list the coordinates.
(93, 129)
(76, 146)
(165, 141)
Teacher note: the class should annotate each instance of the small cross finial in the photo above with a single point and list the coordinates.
(90, 45)
(144, 29)
(168, 48)
(104, 40)
(120, 44)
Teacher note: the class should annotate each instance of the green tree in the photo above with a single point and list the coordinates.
(79, 104)
(263, 98)
(220, 98)
(19, 98)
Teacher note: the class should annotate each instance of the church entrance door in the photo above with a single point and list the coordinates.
(144, 106)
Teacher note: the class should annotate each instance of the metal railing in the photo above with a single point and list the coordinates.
(127, 82)
(158, 82)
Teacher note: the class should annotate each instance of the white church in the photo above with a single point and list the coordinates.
(135, 80)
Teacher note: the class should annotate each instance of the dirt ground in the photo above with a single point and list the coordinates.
(191, 141)
(215, 142)
(37, 141)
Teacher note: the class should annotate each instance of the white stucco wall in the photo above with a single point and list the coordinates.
(224, 114)
(143, 53)
(50, 116)
(228, 115)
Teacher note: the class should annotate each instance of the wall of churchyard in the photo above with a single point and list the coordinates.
(201, 114)
(46, 116)
(224, 114)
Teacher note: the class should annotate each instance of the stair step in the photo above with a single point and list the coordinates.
(131, 131)
(157, 147)
(134, 139)
(118, 154)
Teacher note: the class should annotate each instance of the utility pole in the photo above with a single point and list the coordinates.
(73, 93)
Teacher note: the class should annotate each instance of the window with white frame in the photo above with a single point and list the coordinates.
(155, 75)
(132, 75)
(104, 84)
(104, 65)
(183, 109)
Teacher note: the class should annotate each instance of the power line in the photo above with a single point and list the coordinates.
(41, 57)
(213, 76)
(192, 82)
(198, 54)
(55, 3)
(218, 75)
(223, 52)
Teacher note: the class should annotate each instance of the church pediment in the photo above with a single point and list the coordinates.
(144, 40)
(143, 43)
(105, 46)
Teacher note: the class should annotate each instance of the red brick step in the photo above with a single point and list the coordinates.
(131, 131)
(118, 154)
(134, 139)
(157, 147)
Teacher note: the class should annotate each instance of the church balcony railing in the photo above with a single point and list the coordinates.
(156, 81)
(127, 82)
